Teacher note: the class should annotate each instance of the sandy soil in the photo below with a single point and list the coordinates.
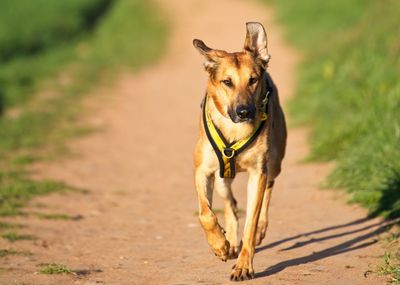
(139, 223)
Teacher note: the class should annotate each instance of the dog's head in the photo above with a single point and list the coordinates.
(235, 79)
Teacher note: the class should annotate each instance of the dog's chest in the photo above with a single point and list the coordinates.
(253, 157)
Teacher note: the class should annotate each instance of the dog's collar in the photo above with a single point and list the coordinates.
(225, 151)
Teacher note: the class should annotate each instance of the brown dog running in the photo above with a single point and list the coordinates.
(242, 128)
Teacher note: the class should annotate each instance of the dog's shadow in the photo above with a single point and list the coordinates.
(361, 241)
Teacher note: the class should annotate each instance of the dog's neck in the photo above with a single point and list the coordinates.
(230, 130)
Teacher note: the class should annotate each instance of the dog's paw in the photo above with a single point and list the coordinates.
(233, 252)
(222, 250)
(261, 231)
(218, 243)
(241, 273)
(243, 269)
(235, 246)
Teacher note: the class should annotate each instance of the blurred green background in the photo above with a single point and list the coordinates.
(349, 93)
(51, 54)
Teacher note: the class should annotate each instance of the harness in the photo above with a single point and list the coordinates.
(225, 151)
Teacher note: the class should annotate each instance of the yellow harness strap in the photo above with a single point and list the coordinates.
(226, 152)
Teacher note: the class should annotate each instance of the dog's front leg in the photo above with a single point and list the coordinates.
(214, 232)
(263, 220)
(243, 268)
(223, 188)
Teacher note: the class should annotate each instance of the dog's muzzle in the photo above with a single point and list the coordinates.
(242, 113)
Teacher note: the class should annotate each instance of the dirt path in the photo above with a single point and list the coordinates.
(139, 224)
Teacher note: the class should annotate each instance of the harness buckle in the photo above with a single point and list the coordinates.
(263, 116)
(228, 152)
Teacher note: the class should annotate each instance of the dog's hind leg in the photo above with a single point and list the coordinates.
(263, 220)
(214, 232)
(223, 188)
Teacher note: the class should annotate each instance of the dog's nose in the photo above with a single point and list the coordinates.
(244, 112)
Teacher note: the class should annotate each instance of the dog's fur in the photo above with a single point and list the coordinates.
(239, 78)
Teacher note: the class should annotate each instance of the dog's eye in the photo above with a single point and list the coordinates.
(227, 82)
(252, 80)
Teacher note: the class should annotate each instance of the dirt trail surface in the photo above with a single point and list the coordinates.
(139, 223)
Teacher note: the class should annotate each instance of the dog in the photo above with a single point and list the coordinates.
(242, 128)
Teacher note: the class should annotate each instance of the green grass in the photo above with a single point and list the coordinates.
(50, 23)
(390, 267)
(7, 226)
(16, 190)
(40, 41)
(7, 252)
(60, 217)
(54, 268)
(13, 236)
(349, 93)
(103, 37)
(311, 25)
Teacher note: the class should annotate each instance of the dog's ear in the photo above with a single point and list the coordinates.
(211, 55)
(256, 41)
